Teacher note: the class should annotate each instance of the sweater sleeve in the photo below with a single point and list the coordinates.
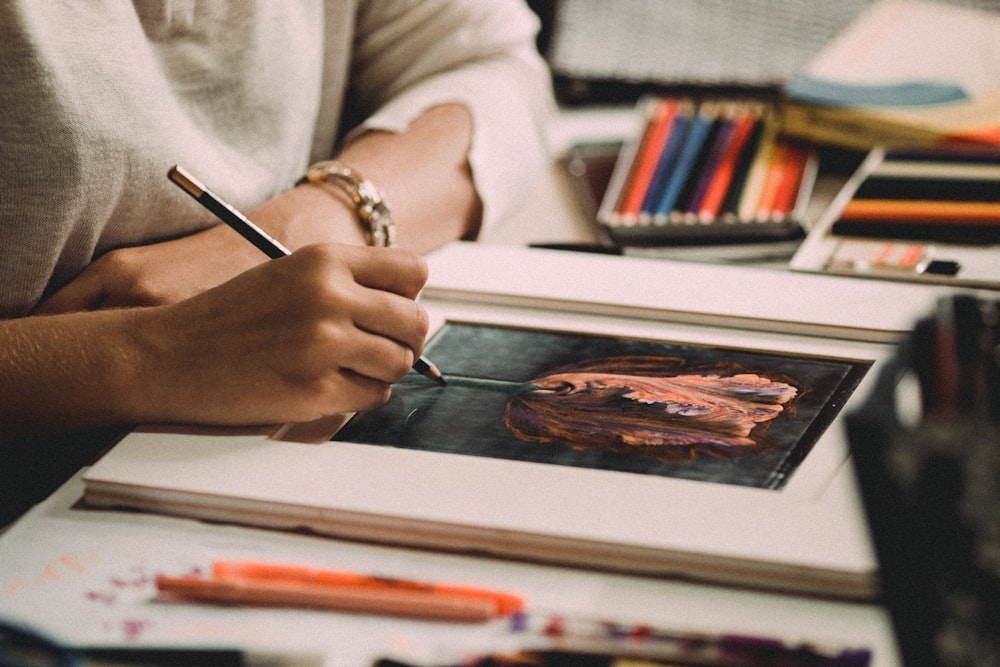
(411, 56)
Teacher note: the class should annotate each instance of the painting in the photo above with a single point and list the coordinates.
(675, 409)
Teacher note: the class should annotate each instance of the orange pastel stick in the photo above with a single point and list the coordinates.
(394, 602)
(504, 603)
(921, 211)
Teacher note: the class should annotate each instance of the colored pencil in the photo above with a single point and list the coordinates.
(668, 158)
(646, 158)
(698, 168)
(731, 202)
(711, 204)
(701, 162)
(934, 212)
(878, 186)
(772, 181)
(701, 125)
(791, 179)
(625, 167)
(981, 154)
(749, 199)
(708, 170)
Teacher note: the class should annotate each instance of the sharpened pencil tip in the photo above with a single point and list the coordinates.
(429, 371)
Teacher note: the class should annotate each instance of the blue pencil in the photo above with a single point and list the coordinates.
(668, 160)
(701, 124)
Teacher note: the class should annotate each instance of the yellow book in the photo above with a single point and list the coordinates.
(906, 73)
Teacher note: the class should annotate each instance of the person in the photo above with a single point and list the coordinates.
(122, 301)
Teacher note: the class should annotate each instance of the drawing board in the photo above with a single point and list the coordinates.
(440, 468)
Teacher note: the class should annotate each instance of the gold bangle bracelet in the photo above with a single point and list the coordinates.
(369, 203)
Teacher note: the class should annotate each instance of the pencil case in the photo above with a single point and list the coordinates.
(710, 170)
(946, 195)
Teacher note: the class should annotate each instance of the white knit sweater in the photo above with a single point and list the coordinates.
(100, 98)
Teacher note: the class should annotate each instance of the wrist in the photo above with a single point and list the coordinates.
(308, 214)
(369, 204)
(72, 371)
(148, 387)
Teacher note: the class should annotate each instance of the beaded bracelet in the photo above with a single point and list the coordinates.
(369, 203)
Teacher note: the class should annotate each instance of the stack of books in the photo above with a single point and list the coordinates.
(905, 73)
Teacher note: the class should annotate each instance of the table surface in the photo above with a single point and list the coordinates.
(553, 215)
(88, 576)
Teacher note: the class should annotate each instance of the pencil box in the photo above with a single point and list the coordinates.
(948, 195)
(918, 214)
(708, 170)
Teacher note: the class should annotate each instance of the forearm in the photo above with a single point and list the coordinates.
(324, 331)
(67, 372)
(424, 173)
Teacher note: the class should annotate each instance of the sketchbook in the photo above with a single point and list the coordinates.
(689, 429)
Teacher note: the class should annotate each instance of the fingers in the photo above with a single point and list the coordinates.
(381, 327)
(376, 288)
(389, 269)
(325, 330)
(375, 357)
(393, 317)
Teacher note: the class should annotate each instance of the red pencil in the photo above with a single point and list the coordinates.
(712, 202)
(646, 157)
(791, 178)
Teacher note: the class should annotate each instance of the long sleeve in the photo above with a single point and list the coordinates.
(412, 55)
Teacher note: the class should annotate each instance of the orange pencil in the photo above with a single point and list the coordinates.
(921, 211)
(647, 156)
(504, 603)
(791, 178)
(633, 160)
(772, 181)
(395, 602)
